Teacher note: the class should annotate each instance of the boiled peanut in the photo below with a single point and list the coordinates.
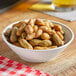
(43, 48)
(29, 29)
(46, 23)
(8, 32)
(62, 32)
(31, 22)
(24, 43)
(17, 44)
(46, 43)
(13, 36)
(30, 36)
(23, 35)
(52, 47)
(40, 48)
(57, 39)
(39, 22)
(35, 42)
(19, 24)
(35, 28)
(44, 28)
(51, 24)
(38, 33)
(45, 36)
(20, 30)
(50, 32)
(57, 27)
(60, 35)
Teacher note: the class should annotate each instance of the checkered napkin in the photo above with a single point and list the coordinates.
(11, 68)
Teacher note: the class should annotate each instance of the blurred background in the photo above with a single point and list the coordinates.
(6, 5)
(64, 9)
(40, 5)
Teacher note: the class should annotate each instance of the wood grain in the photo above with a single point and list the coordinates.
(63, 65)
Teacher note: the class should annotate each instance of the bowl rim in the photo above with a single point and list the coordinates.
(72, 34)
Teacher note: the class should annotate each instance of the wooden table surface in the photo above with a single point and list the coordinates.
(22, 9)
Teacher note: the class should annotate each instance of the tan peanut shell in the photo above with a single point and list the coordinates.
(57, 39)
(24, 43)
(13, 36)
(50, 32)
(30, 36)
(35, 28)
(19, 24)
(29, 29)
(46, 43)
(8, 32)
(17, 44)
(52, 47)
(46, 23)
(44, 28)
(39, 22)
(20, 30)
(37, 42)
(57, 27)
(38, 33)
(49, 24)
(62, 32)
(31, 22)
(42, 48)
(45, 36)
(23, 35)
(60, 35)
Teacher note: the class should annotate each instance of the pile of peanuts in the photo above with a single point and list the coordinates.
(36, 34)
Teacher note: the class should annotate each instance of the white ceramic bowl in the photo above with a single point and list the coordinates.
(40, 55)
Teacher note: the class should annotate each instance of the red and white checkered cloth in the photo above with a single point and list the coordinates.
(11, 68)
